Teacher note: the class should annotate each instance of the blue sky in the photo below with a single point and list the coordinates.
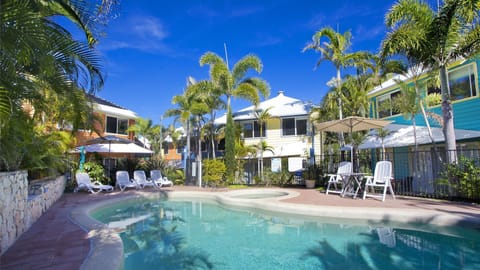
(153, 46)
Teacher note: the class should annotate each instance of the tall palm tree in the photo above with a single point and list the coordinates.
(183, 114)
(262, 117)
(435, 39)
(235, 83)
(335, 51)
(189, 106)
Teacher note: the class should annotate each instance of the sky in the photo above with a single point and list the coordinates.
(151, 47)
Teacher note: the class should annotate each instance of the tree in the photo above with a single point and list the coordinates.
(209, 94)
(382, 134)
(436, 39)
(142, 127)
(44, 67)
(235, 83)
(335, 51)
(183, 114)
(262, 117)
(189, 106)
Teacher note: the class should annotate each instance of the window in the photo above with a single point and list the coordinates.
(385, 104)
(462, 83)
(252, 130)
(116, 125)
(292, 126)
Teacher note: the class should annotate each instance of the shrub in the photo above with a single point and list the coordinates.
(96, 172)
(213, 171)
(463, 178)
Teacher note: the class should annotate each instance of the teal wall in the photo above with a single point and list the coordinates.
(466, 113)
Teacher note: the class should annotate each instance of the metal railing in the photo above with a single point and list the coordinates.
(420, 173)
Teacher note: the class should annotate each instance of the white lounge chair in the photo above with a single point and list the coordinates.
(382, 178)
(141, 179)
(156, 175)
(84, 182)
(123, 181)
(345, 167)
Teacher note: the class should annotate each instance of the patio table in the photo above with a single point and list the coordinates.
(352, 183)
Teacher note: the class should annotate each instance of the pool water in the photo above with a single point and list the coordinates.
(166, 234)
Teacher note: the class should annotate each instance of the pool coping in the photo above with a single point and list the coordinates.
(106, 244)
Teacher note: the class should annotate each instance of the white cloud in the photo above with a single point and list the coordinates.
(143, 33)
(148, 27)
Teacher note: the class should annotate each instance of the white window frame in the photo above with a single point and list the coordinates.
(471, 69)
(117, 128)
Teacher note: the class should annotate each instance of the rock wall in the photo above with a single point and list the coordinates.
(22, 204)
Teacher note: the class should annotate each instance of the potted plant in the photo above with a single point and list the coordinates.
(310, 174)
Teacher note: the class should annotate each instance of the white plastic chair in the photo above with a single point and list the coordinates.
(123, 181)
(156, 176)
(141, 179)
(84, 182)
(345, 167)
(382, 178)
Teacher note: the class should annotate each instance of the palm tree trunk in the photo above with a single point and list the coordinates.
(340, 105)
(188, 165)
(447, 111)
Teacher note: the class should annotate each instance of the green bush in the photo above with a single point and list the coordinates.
(462, 178)
(213, 172)
(278, 178)
(176, 175)
(96, 172)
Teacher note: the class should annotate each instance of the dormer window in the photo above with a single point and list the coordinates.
(116, 125)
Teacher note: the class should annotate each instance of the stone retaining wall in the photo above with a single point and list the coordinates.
(22, 204)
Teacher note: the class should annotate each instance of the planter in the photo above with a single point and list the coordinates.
(310, 183)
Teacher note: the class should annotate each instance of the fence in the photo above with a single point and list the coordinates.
(420, 173)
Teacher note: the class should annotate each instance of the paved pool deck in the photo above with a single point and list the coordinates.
(55, 241)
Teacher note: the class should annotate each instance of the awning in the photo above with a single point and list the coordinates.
(402, 135)
(116, 148)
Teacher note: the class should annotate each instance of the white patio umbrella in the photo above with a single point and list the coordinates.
(351, 124)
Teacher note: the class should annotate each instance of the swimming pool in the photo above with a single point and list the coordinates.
(203, 234)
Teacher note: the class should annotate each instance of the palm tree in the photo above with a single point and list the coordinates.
(235, 83)
(37, 52)
(44, 66)
(262, 117)
(183, 114)
(190, 105)
(435, 39)
(335, 51)
(142, 127)
(382, 134)
(209, 93)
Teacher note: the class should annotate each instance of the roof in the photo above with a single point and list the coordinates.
(110, 107)
(402, 135)
(280, 106)
(102, 101)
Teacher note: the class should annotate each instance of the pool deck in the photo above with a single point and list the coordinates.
(56, 242)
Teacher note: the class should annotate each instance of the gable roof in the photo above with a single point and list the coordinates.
(280, 106)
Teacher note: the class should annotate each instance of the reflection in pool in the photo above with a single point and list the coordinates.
(205, 235)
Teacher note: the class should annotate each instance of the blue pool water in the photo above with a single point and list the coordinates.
(164, 234)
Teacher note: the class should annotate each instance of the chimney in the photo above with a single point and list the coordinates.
(280, 93)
